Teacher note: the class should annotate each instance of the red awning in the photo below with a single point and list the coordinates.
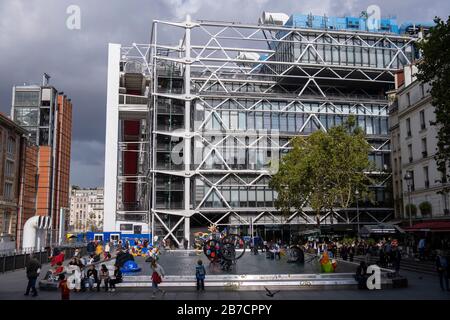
(432, 226)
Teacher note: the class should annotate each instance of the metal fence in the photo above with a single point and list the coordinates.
(19, 260)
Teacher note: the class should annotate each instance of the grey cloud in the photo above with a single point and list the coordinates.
(34, 39)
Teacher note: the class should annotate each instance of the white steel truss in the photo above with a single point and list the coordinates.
(300, 81)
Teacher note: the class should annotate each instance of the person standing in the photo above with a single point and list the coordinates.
(421, 248)
(33, 268)
(157, 275)
(396, 259)
(200, 274)
(361, 275)
(442, 269)
(91, 248)
(65, 291)
(107, 250)
(351, 252)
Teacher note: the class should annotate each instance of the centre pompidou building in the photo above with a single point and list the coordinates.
(198, 119)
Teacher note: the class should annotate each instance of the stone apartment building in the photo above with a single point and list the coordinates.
(414, 141)
(86, 209)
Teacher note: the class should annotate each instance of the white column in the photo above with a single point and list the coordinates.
(111, 138)
(187, 129)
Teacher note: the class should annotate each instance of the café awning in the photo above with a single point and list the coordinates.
(430, 226)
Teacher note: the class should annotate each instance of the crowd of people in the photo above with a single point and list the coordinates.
(91, 272)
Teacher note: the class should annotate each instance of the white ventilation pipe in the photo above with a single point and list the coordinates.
(248, 56)
(34, 232)
(273, 18)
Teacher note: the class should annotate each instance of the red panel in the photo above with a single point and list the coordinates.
(131, 128)
(130, 159)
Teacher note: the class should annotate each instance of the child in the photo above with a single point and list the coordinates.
(200, 273)
(65, 291)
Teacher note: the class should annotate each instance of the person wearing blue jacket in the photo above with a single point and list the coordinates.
(200, 273)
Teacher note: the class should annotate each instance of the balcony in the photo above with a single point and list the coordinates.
(128, 99)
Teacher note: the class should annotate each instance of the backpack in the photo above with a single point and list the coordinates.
(201, 272)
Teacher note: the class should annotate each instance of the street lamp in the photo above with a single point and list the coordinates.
(357, 210)
(408, 178)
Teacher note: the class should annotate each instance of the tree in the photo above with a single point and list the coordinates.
(434, 68)
(413, 209)
(324, 170)
(425, 208)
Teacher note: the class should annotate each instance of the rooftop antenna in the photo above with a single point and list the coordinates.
(45, 79)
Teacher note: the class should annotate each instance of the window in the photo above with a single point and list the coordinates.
(26, 98)
(6, 222)
(424, 147)
(8, 191)
(422, 119)
(426, 177)
(410, 153)
(408, 127)
(26, 116)
(9, 168)
(422, 90)
(408, 98)
(11, 146)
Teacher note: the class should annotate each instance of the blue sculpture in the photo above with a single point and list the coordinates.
(130, 266)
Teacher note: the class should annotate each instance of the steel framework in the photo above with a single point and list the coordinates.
(231, 86)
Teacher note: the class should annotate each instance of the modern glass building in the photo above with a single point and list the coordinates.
(46, 114)
(197, 125)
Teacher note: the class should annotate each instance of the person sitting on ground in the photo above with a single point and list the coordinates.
(59, 269)
(59, 257)
(92, 277)
(104, 276)
(117, 278)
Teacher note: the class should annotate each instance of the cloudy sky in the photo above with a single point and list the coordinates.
(34, 39)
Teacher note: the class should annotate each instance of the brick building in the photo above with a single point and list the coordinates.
(18, 169)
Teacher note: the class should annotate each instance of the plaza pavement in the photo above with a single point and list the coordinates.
(421, 286)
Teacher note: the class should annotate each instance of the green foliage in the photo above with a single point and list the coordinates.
(425, 208)
(413, 210)
(323, 170)
(434, 68)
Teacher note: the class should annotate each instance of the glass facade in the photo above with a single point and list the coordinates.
(242, 115)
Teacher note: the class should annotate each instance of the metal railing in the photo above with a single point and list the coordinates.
(11, 261)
